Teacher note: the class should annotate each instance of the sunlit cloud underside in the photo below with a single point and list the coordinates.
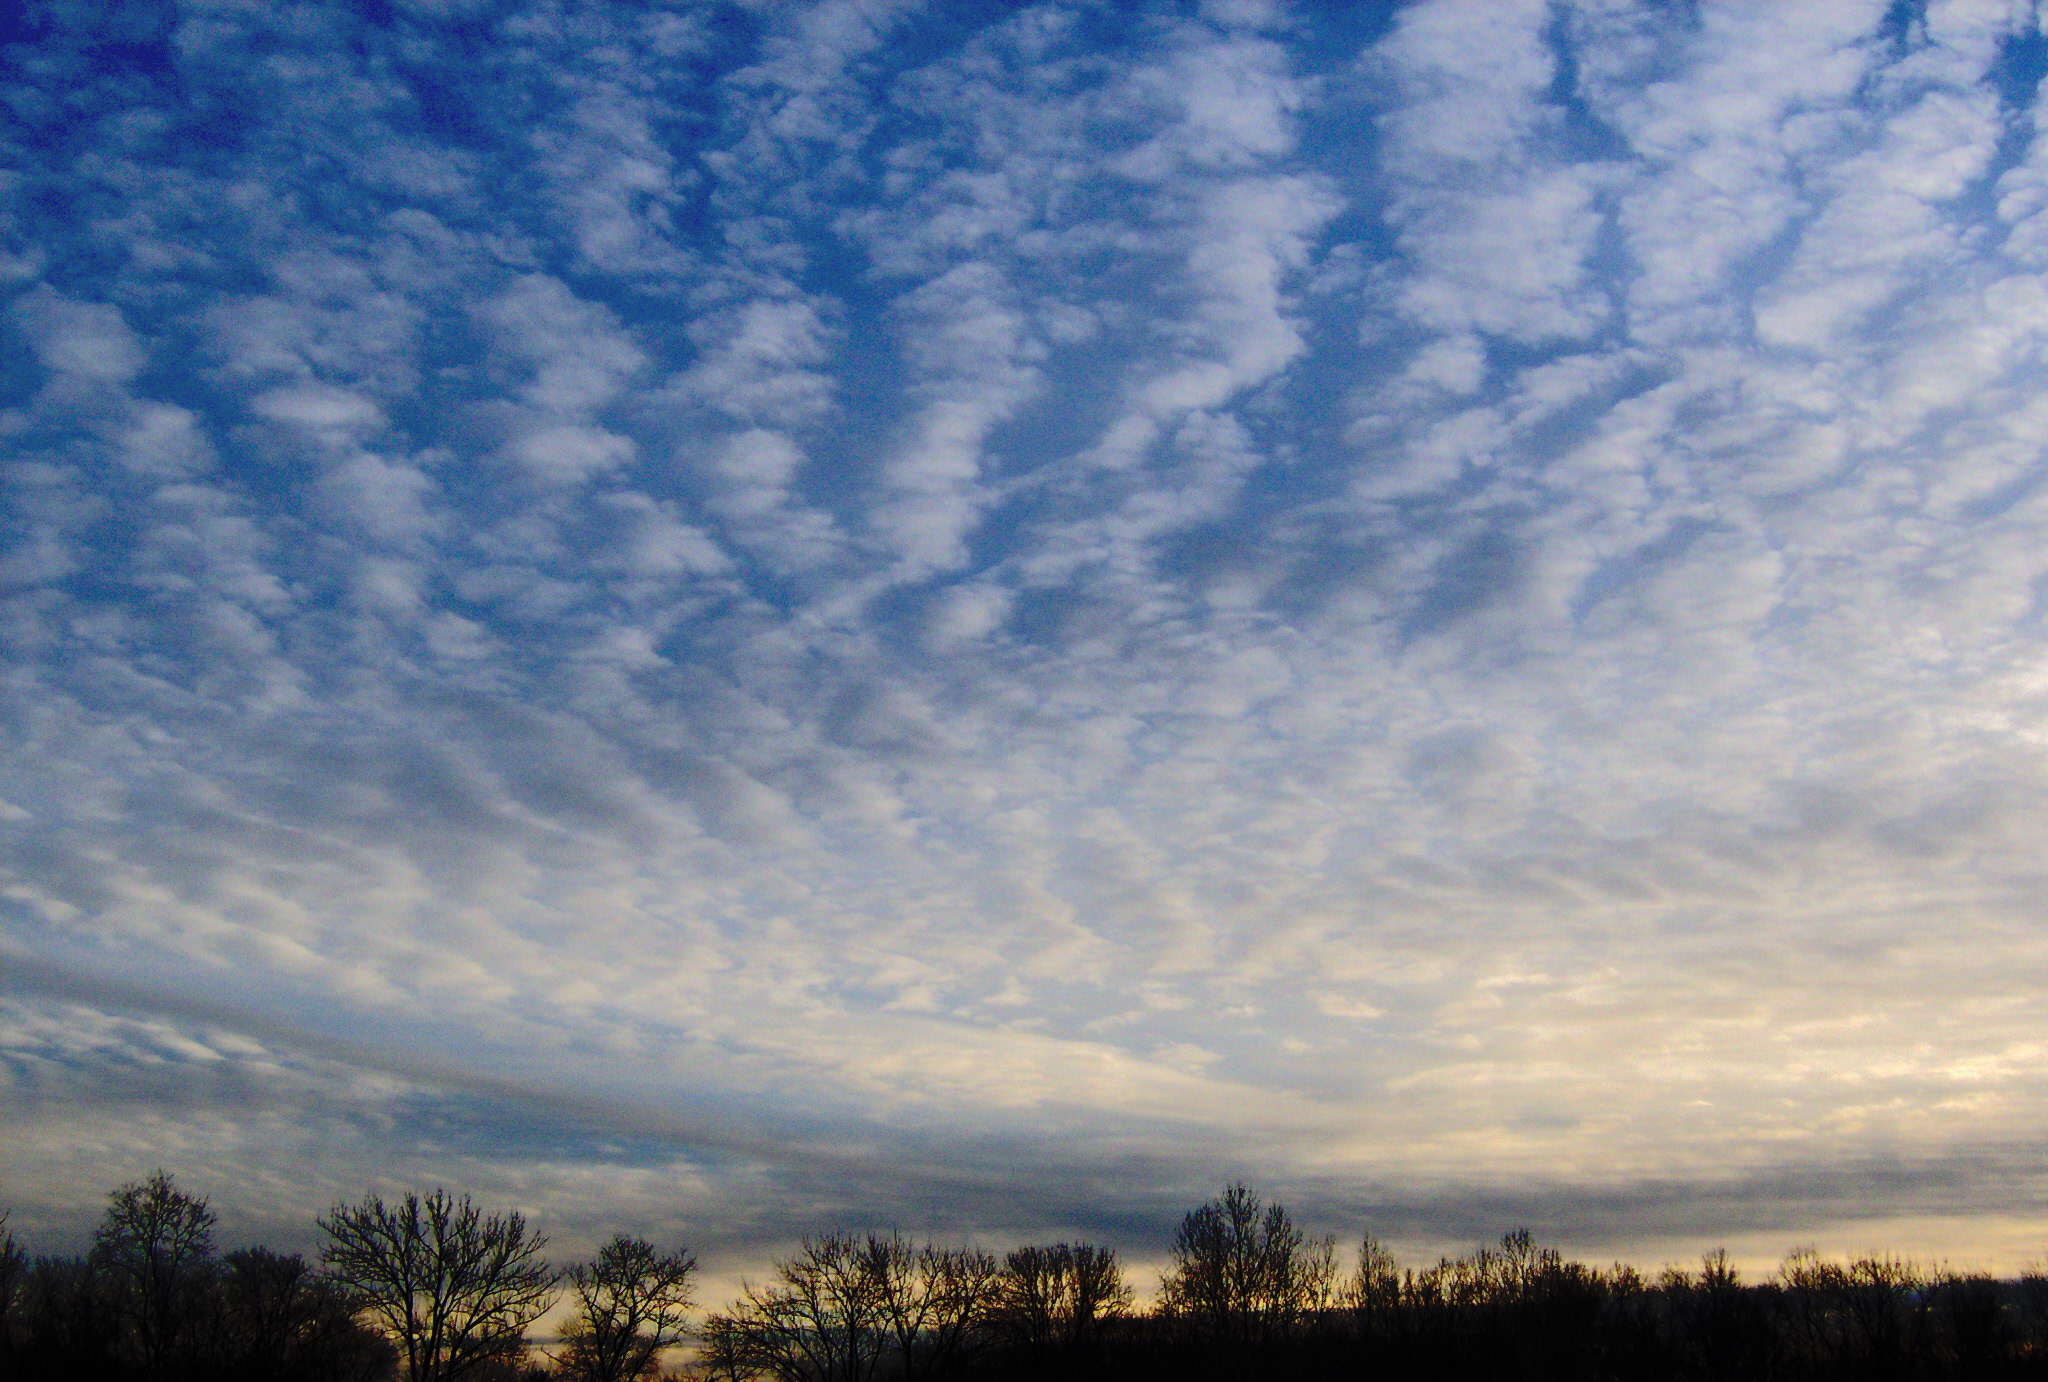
(728, 620)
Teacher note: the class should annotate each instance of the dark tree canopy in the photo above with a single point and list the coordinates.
(632, 1302)
(154, 1247)
(1055, 1299)
(937, 1302)
(453, 1287)
(1246, 1295)
(848, 1309)
(819, 1319)
(1242, 1273)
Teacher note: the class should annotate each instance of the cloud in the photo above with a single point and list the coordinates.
(85, 340)
(317, 408)
(881, 612)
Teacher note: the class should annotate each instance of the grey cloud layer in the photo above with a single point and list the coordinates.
(1391, 608)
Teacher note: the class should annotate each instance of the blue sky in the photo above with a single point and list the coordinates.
(736, 619)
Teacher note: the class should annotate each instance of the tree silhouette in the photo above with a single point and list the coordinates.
(1054, 1299)
(936, 1301)
(279, 1320)
(1242, 1273)
(14, 1280)
(820, 1320)
(843, 1306)
(1247, 1295)
(453, 1288)
(154, 1247)
(632, 1302)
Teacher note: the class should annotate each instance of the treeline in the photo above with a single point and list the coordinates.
(434, 1289)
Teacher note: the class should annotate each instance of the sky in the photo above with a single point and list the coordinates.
(730, 620)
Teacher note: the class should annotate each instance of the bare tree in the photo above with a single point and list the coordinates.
(937, 1301)
(1242, 1273)
(279, 1318)
(822, 1319)
(1375, 1284)
(155, 1247)
(843, 1306)
(67, 1310)
(13, 1287)
(1974, 1319)
(1053, 1298)
(453, 1288)
(1810, 1289)
(1373, 1292)
(1887, 1308)
(632, 1302)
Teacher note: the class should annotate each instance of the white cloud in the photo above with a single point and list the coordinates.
(1042, 593)
(580, 358)
(317, 407)
(88, 340)
(757, 363)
